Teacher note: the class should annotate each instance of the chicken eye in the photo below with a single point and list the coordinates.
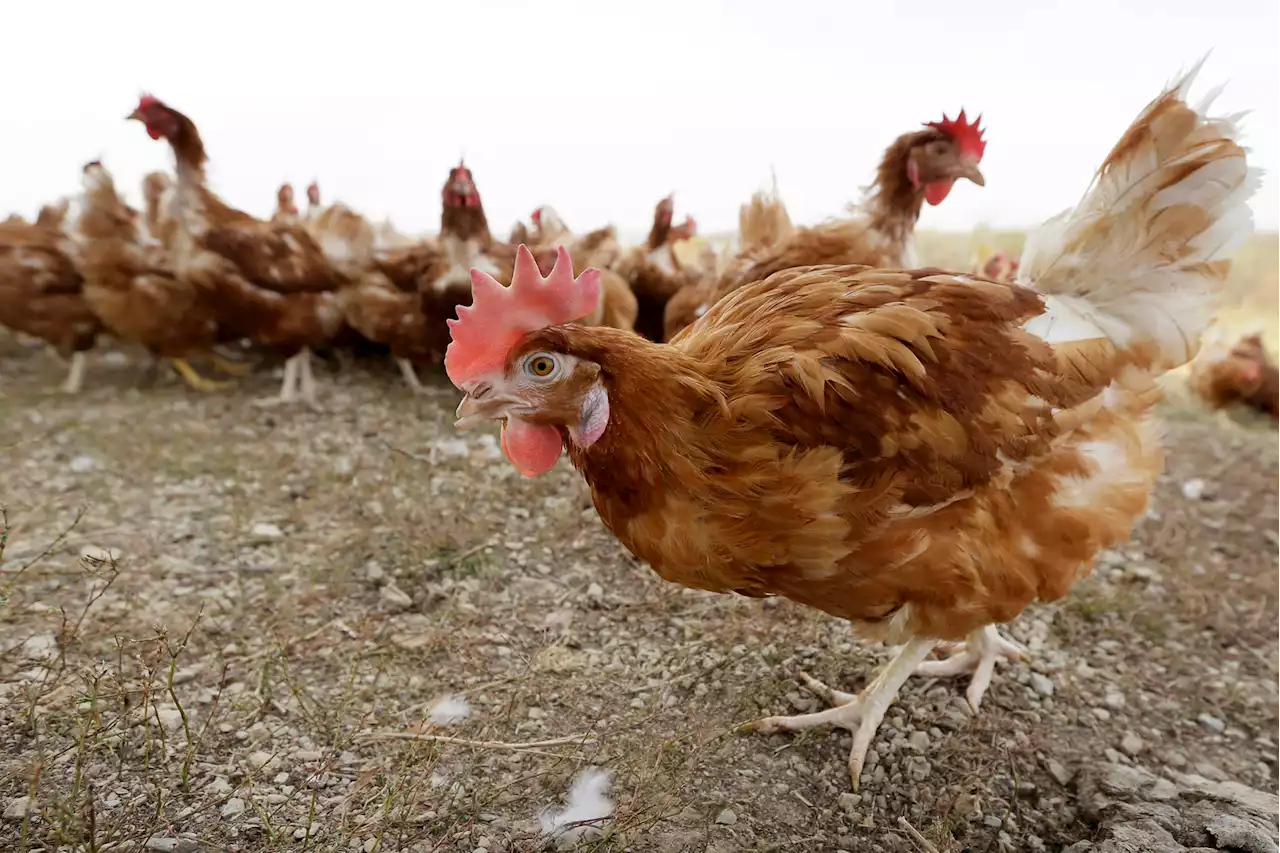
(540, 365)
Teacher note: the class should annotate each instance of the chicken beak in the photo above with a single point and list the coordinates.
(472, 411)
(134, 116)
(969, 169)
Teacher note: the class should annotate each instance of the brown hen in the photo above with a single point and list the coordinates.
(922, 453)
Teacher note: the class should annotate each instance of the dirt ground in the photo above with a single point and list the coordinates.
(220, 622)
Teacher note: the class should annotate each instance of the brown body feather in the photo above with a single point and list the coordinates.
(869, 443)
(138, 299)
(41, 292)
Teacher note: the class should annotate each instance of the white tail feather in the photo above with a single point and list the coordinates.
(1140, 260)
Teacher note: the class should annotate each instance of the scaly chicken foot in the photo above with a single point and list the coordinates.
(195, 380)
(75, 374)
(288, 386)
(410, 375)
(228, 366)
(861, 713)
(978, 655)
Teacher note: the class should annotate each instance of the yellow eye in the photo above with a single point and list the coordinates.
(541, 365)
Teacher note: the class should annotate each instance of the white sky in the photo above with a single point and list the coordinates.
(600, 108)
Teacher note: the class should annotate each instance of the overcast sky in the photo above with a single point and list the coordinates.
(600, 108)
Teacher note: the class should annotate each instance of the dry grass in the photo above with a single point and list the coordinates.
(176, 672)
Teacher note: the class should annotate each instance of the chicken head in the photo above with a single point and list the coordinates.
(460, 189)
(155, 116)
(507, 375)
(951, 149)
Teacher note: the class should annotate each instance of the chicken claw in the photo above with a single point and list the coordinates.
(861, 713)
(195, 380)
(978, 655)
(228, 366)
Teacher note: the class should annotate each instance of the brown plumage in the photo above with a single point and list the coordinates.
(42, 293)
(654, 271)
(1243, 375)
(159, 211)
(618, 307)
(922, 453)
(763, 223)
(917, 167)
(268, 281)
(136, 295)
(387, 315)
(286, 212)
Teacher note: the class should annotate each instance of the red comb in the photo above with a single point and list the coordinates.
(147, 101)
(485, 332)
(968, 137)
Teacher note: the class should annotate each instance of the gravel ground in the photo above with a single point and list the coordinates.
(223, 627)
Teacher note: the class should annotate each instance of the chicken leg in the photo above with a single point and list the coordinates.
(978, 655)
(195, 380)
(306, 379)
(75, 375)
(410, 375)
(229, 367)
(861, 713)
(288, 385)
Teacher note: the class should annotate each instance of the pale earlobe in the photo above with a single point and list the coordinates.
(594, 416)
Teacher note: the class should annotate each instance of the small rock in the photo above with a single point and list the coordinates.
(308, 755)
(395, 597)
(162, 843)
(373, 572)
(262, 533)
(169, 718)
(219, 787)
(1114, 700)
(726, 817)
(1131, 744)
(850, 802)
(17, 808)
(595, 593)
(1041, 684)
(919, 741)
(83, 464)
(919, 768)
(261, 761)
(40, 647)
(1060, 774)
(1211, 723)
(233, 807)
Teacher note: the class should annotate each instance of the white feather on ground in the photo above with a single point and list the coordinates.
(587, 808)
(448, 710)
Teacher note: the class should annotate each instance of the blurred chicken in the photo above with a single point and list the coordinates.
(345, 237)
(286, 211)
(160, 210)
(42, 293)
(137, 299)
(763, 224)
(385, 314)
(997, 266)
(618, 306)
(1242, 375)
(464, 243)
(654, 270)
(920, 166)
(269, 282)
